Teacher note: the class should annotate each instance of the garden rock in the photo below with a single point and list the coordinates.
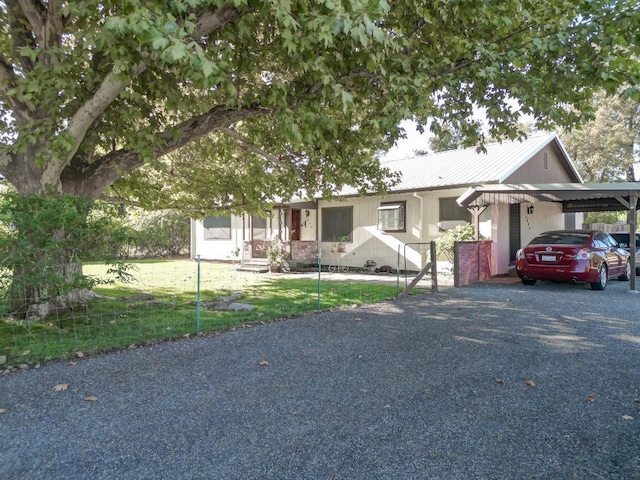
(226, 303)
(239, 307)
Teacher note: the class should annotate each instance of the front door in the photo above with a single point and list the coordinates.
(514, 231)
(295, 225)
(258, 237)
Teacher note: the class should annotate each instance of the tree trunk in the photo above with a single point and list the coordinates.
(36, 300)
(48, 237)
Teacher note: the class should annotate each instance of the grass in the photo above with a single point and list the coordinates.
(161, 304)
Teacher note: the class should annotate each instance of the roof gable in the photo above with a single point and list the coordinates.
(465, 167)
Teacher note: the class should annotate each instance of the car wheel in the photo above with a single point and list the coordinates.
(528, 281)
(627, 273)
(602, 279)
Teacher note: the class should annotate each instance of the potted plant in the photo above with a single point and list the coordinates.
(277, 256)
(341, 243)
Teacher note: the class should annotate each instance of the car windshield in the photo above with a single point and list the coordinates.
(561, 238)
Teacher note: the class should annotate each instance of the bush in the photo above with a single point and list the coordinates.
(44, 239)
(445, 243)
(605, 217)
(160, 234)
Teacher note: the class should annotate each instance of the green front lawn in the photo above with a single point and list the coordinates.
(161, 304)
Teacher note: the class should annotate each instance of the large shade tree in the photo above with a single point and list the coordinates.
(262, 99)
(604, 148)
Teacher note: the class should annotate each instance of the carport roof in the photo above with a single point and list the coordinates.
(576, 197)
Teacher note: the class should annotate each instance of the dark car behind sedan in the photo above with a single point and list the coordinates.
(623, 240)
(589, 256)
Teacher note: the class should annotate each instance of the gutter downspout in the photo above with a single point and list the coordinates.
(419, 197)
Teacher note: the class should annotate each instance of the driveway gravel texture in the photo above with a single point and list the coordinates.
(491, 381)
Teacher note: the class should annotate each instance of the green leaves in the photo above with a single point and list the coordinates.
(47, 237)
(336, 78)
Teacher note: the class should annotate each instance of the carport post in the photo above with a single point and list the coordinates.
(632, 237)
(476, 212)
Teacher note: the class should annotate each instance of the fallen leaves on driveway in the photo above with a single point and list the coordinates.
(61, 387)
(530, 383)
(263, 363)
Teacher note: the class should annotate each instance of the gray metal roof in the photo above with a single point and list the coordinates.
(481, 195)
(468, 166)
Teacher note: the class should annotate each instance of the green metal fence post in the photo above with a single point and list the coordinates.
(398, 274)
(319, 274)
(198, 298)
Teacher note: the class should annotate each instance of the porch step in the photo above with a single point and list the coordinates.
(255, 266)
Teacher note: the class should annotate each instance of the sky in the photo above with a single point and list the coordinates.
(414, 141)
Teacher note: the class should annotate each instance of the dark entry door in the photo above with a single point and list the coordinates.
(295, 225)
(514, 231)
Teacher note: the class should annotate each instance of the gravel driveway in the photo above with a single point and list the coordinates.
(494, 381)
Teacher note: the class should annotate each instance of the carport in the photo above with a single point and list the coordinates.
(575, 197)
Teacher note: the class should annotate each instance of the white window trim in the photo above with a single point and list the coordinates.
(392, 217)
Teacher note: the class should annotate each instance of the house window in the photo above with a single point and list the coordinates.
(391, 216)
(451, 213)
(337, 223)
(217, 228)
(545, 161)
(258, 228)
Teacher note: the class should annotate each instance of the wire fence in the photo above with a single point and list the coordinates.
(182, 298)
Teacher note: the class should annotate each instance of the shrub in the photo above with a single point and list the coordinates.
(44, 239)
(161, 233)
(445, 243)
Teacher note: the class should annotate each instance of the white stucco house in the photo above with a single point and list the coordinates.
(416, 211)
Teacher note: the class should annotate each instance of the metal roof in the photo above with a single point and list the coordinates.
(468, 166)
(603, 194)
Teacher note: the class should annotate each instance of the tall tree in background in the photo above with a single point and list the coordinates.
(603, 148)
(445, 138)
(282, 96)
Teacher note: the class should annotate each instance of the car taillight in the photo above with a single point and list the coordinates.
(520, 254)
(583, 254)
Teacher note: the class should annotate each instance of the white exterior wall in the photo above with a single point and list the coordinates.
(369, 243)
(494, 225)
(545, 216)
(308, 224)
(500, 236)
(216, 249)
(432, 210)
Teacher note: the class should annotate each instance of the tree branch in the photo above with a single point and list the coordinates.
(18, 107)
(20, 35)
(53, 25)
(255, 149)
(215, 119)
(113, 85)
(93, 179)
(209, 21)
(34, 16)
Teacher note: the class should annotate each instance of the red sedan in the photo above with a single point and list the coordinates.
(573, 256)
